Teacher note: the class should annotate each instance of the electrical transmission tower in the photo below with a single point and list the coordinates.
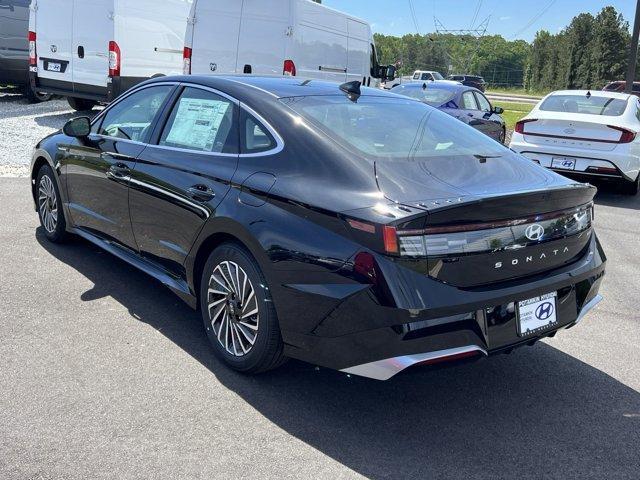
(475, 32)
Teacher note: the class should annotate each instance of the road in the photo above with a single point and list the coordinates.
(105, 374)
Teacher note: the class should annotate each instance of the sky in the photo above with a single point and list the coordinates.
(509, 18)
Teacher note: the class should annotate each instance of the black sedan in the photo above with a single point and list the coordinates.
(345, 226)
(467, 104)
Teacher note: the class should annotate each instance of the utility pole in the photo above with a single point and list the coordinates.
(633, 51)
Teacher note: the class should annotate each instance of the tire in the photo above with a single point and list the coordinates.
(503, 136)
(222, 312)
(631, 187)
(50, 209)
(81, 104)
(36, 97)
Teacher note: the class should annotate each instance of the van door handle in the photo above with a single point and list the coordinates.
(201, 193)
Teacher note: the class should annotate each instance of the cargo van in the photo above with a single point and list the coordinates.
(14, 48)
(280, 37)
(92, 50)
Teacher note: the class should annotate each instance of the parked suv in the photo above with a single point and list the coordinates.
(14, 47)
(470, 81)
(619, 86)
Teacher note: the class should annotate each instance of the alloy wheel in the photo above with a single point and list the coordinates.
(233, 308)
(48, 204)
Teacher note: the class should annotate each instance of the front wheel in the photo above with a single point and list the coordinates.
(50, 206)
(238, 313)
(81, 104)
(502, 136)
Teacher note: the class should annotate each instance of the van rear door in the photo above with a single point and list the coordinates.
(92, 31)
(215, 36)
(263, 35)
(319, 47)
(54, 27)
(359, 56)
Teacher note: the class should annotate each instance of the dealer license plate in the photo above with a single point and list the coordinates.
(537, 314)
(564, 163)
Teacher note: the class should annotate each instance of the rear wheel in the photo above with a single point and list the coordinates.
(238, 313)
(632, 187)
(50, 206)
(81, 104)
(36, 97)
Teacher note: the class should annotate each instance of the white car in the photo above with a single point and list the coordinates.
(585, 133)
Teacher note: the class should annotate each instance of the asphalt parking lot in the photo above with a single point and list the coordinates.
(105, 374)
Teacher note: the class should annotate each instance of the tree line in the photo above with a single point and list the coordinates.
(588, 53)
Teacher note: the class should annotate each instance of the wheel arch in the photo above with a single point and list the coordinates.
(40, 159)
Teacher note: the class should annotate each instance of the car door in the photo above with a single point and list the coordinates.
(97, 169)
(469, 112)
(491, 123)
(180, 179)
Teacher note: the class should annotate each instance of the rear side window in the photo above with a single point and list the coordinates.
(585, 105)
(255, 137)
(469, 101)
(131, 118)
(201, 121)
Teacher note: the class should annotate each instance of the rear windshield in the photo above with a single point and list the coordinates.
(430, 95)
(393, 128)
(581, 104)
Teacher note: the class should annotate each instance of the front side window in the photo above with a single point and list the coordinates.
(132, 117)
(201, 121)
(585, 105)
(427, 76)
(483, 103)
(393, 129)
(469, 101)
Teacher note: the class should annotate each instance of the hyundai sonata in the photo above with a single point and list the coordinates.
(345, 226)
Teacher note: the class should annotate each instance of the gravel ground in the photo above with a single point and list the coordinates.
(22, 126)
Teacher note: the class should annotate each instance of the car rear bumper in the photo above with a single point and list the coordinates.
(434, 322)
(587, 162)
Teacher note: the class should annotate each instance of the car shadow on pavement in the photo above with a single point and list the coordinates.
(532, 414)
(609, 195)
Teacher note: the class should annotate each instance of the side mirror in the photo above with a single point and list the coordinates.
(498, 110)
(78, 127)
(390, 72)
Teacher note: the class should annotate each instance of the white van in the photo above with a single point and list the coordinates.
(279, 37)
(92, 50)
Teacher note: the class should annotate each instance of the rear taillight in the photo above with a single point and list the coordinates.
(390, 238)
(33, 55)
(115, 59)
(186, 60)
(519, 128)
(627, 136)
(289, 68)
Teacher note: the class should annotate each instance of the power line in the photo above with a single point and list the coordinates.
(534, 19)
(414, 16)
(477, 12)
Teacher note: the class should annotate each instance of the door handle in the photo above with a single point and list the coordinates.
(119, 170)
(201, 193)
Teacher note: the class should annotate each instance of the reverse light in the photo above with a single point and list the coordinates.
(627, 136)
(186, 60)
(289, 69)
(115, 59)
(519, 128)
(33, 55)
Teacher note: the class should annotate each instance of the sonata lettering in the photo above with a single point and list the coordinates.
(530, 258)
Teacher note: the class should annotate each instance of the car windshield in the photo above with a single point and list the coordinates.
(433, 96)
(437, 76)
(393, 128)
(585, 105)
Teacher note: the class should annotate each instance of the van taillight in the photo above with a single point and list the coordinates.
(519, 128)
(186, 61)
(115, 59)
(289, 68)
(33, 55)
(627, 135)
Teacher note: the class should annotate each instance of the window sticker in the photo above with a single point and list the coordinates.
(197, 122)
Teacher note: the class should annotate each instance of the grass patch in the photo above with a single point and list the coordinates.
(513, 112)
(518, 91)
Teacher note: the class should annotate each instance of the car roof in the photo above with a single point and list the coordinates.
(438, 85)
(594, 93)
(274, 86)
